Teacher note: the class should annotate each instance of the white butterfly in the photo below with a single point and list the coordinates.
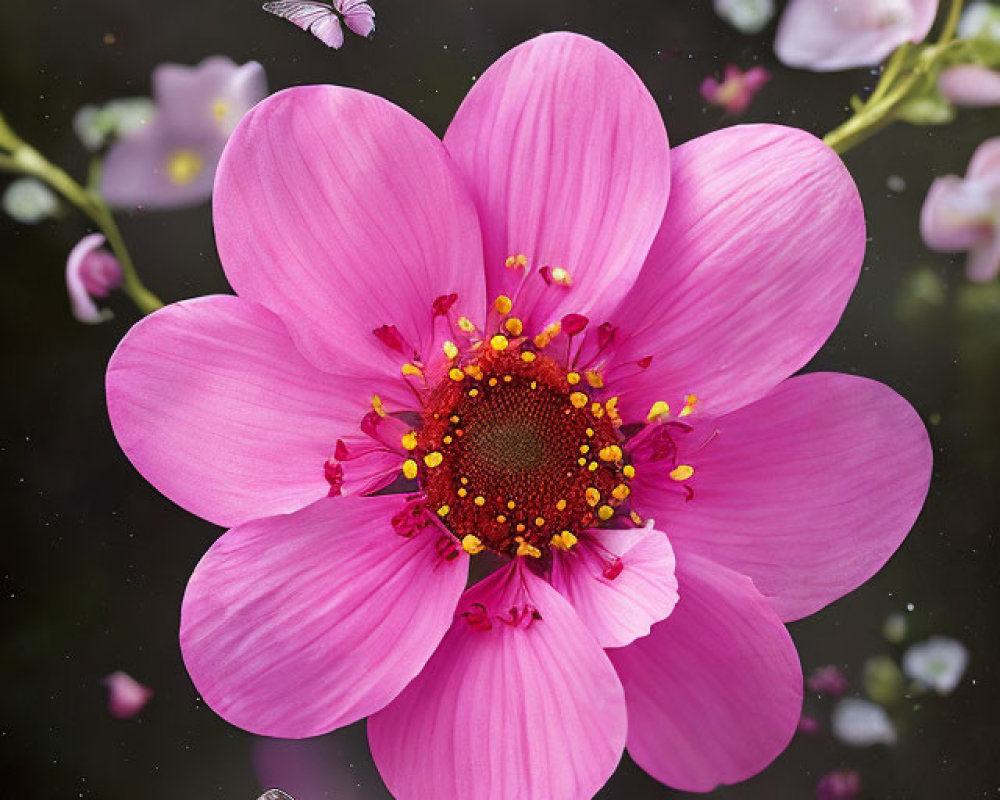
(323, 20)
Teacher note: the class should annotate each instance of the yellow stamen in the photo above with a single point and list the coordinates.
(220, 108)
(410, 468)
(525, 549)
(462, 492)
(433, 459)
(584, 448)
(689, 403)
(465, 324)
(514, 326)
(456, 374)
(443, 510)
(610, 453)
(589, 432)
(572, 378)
(621, 491)
(527, 356)
(501, 518)
(657, 410)
(593, 496)
(410, 440)
(605, 513)
(520, 261)
(594, 379)
(597, 410)
(473, 392)
(628, 471)
(472, 544)
(411, 369)
(511, 505)
(592, 466)
(499, 342)
(183, 166)
(539, 521)
(682, 472)
(503, 304)
(560, 505)
(479, 500)
(578, 399)
(561, 276)
(447, 440)
(450, 349)
(377, 405)
(635, 518)
(581, 461)
(474, 371)
(564, 540)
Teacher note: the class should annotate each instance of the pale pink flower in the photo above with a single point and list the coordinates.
(91, 271)
(503, 317)
(126, 696)
(963, 214)
(171, 160)
(827, 680)
(970, 86)
(831, 35)
(737, 90)
(843, 784)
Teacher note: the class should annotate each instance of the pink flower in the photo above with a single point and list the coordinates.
(827, 680)
(963, 214)
(737, 90)
(91, 271)
(826, 36)
(970, 86)
(126, 696)
(171, 161)
(842, 784)
(495, 325)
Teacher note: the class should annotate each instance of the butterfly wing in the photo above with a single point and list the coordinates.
(275, 794)
(317, 18)
(358, 15)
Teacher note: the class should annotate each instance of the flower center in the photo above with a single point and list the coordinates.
(515, 457)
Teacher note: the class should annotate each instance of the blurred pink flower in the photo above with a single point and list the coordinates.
(737, 90)
(91, 271)
(377, 270)
(970, 86)
(831, 35)
(827, 680)
(171, 160)
(809, 725)
(842, 784)
(126, 696)
(963, 214)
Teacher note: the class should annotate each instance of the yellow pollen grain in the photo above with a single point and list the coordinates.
(411, 369)
(682, 472)
(472, 544)
(597, 410)
(377, 405)
(220, 108)
(533, 384)
(572, 378)
(474, 371)
(511, 505)
(447, 440)
(592, 466)
(516, 262)
(499, 342)
(514, 326)
(657, 410)
(562, 277)
(539, 521)
(443, 510)
(560, 505)
(520, 527)
(593, 496)
(479, 500)
(410, 468)
(620, 492)
(503, 304)
(464, 480)
(525, 549)
(605, 513)
(456, 374)
(635, 518)
(628, 471)
(578, 399)
(501, 519)
(184, 165)
(594, 379)
(563, 540)
(493, 381)
(453, 419)
(589, 432)
(465, 324)
(689, 403)
(582, 461)
(433, 459)
(450, 349)
(410, 440)
(507, 379)
(610, 453)
(527, 356)
(462, 492)
(584, 448)
(473, 392)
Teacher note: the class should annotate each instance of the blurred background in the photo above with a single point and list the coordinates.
(94, 560)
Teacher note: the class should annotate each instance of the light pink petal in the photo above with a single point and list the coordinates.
(714, 693)
(619, 582)
(295, 625)
(212, 403)
(508, 707)
(567, 157)
(758, 254)
(957, 214)
(823, 35)
(341, 213)
(970, 86)
(985, 162)
(808, 491)
(126, 696)
(983, 263)
(82, 304)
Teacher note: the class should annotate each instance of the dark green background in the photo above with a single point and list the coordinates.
(94, 561)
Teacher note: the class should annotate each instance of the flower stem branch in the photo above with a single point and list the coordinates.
(895, 87)
(18, 156)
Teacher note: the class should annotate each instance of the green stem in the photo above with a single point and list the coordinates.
(878, 112)
(23, 158)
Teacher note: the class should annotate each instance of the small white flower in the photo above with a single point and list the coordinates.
(938, 663)
(747, 16)
(859, 723)
(980, 21)
(29, 201)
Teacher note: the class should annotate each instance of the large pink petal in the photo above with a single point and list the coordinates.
(714, 693)
(341, 213)
(213, 404)
(512, 705)
(567, 157)
(808, 491)
(295, 625)
(824, 36)
(759, 251)
(619, 581)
